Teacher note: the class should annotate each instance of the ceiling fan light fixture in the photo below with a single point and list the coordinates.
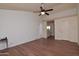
(42, 13)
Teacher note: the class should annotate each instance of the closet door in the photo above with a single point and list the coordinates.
(64, 29)
(61, 29)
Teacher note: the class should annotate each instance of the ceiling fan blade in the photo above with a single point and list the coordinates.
(46, 13)
(41, 8)
(49, 10)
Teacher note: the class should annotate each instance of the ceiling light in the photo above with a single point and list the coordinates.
(48, 27)
(42, 13)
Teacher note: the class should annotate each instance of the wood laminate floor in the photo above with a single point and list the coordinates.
(45, 47)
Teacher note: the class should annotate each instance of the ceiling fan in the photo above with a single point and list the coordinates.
(43, 11)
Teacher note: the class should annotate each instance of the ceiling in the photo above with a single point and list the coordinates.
(31, 7)
(26, 6)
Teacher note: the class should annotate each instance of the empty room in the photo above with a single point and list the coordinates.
(39, 29)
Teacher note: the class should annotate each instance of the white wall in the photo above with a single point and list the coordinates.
(19, 26)
(43, 30)
(78, 21)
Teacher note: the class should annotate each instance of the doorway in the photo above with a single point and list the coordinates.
(50, 30)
